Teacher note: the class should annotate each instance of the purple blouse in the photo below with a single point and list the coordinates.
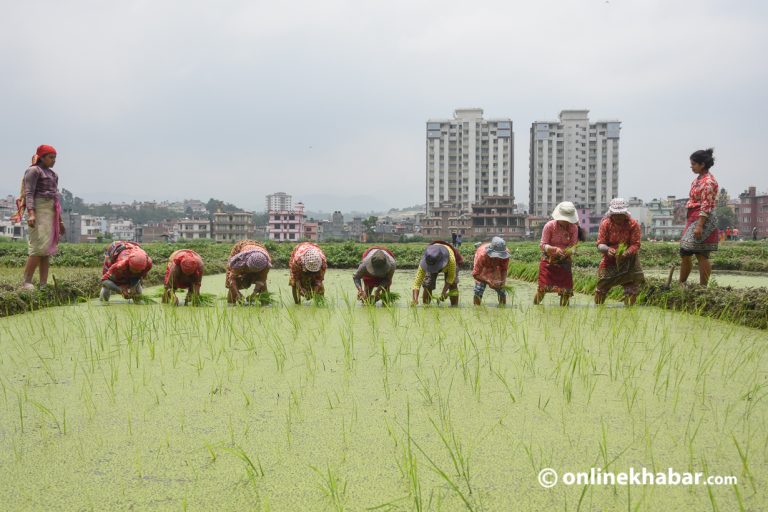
(40, 181)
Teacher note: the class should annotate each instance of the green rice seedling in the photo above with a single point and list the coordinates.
(744, 456)
(203, 300)
(461, 462)
(389, 298)
(251, 469)
(442, 298)
(334, 487)
(143, 299)
(262, 299)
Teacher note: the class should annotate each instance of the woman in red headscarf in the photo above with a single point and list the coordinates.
(184, 271)
(40, 198)
(125, 264)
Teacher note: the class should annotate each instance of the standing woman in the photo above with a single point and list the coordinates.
(559, 237)
(700, 235)
(40, 197)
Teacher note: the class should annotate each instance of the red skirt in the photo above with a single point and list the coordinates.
(556, 277)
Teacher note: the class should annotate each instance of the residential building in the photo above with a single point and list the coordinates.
(573, 160)
(13, 230)
(193, 228)
(286, 225)
(444, 220)
(92, 228)
(752, 212)
(122, 230)
(468, 158)
(311, 231)
(232, 226)
(155, 232)
(498, 216)
(662, 220)
(279, 202)
(335, 229)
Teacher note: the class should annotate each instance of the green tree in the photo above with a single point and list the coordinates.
(725, 217)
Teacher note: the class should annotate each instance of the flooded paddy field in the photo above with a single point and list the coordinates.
(287, 407)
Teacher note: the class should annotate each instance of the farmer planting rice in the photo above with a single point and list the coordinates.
(307, 267)
(700, 235)
(374, 274)
(249, 263)
(125, 264)
(184, 271)
(618, 239)
(40, 198)
(439, 257)
(558, 241)
(489, 268)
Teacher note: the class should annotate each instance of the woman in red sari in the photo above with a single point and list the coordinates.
(618, 239)
(559, 237)
(700, 235)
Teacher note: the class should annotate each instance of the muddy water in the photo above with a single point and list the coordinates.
(302, 408)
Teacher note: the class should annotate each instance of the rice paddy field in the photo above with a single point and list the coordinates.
(345, 407)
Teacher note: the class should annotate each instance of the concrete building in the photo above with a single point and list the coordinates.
(13, 230)
(573, 160)
(122, 230)
(155, 232)
(286, 225)
(335, 229)
(468, 158)
(311, 231)
(662, 220)
(194, 228)
(92, 228)
(233, 226)
(444, 220)
(498, 216)
(279, 202)
(752, 212)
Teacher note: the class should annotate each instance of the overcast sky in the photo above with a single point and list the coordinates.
(328, 100)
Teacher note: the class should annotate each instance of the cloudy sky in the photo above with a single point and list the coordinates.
(327, 99)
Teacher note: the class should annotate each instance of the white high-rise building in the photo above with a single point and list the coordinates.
(279, 201)
(573, 160)
(468, 159)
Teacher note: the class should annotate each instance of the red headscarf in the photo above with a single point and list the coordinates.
(44, 150)
(137, 262)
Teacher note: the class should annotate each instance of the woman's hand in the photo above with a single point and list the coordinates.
(62, 229)
(698, 232)
(31, 219)
(611, 251)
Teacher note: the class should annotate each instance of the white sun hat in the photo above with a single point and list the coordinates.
(566, 211)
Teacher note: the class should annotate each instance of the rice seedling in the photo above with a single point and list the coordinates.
(334, 487)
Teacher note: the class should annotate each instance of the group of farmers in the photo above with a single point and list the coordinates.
(126, 263)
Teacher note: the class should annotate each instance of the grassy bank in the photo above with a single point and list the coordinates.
(748, 306)
(743, 256)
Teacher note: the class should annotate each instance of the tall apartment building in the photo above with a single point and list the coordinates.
(752, 212)
(279, 202)
(573, 160)
(468, 158)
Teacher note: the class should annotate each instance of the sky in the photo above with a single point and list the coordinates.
(328, 99)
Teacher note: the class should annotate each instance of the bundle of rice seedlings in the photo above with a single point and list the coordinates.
(262, 298)
(203, 299)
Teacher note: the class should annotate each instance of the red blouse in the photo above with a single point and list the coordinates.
(703, 194)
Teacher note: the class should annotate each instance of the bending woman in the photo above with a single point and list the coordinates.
(249, 264)
(184, 271)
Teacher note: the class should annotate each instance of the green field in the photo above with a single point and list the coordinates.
(119, 406)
